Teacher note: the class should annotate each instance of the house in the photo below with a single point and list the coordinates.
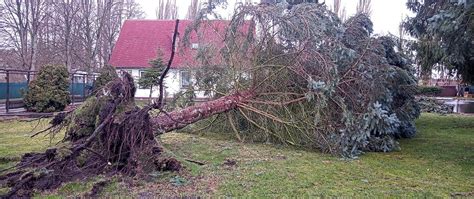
(143, 40)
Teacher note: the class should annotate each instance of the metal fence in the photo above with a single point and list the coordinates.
(14, 84)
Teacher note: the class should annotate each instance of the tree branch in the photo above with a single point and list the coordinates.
(159, 103)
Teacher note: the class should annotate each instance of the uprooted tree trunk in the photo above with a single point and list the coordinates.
(122, 140)
(109, 134)
(178, 119)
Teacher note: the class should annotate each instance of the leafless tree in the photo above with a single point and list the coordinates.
(78, 34)
(21, 23)
(339, 9)
(193, 9)
(68, 10)
(167, 9)
(132, 10)
(364, 7)
(113, 23)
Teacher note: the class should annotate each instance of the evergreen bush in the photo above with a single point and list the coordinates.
(107, 74)
(49, 92)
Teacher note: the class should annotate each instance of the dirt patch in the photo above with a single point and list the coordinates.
(98, 188)
(230, 163)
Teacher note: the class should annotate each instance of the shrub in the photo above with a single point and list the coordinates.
(428, 105)
(429, 90)
(49, 92)
(107, 74)
(152, 75)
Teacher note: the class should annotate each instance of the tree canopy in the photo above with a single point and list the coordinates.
(445, 33)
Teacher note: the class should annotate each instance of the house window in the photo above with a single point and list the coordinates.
(185, 79)
(142, 73)
(195, 46)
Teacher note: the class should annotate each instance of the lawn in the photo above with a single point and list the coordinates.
(438, 162)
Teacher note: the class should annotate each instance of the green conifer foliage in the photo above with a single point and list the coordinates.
(49, 92)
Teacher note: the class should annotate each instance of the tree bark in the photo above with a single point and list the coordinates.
(150, 96)
(167, 122)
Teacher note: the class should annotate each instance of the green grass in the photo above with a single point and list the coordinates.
(439, 161)
(15, 140)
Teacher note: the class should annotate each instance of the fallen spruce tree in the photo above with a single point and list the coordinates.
(317, 82)
(295, 71)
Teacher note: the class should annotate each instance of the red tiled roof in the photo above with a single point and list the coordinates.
(141, 40)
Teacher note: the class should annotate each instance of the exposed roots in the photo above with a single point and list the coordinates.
(108, 134)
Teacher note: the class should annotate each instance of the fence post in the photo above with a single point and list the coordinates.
(72, 88)
(7, 102)
(84, 87)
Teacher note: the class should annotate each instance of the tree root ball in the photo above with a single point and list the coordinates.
(108, 134)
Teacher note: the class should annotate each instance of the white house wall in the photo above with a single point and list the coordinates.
(172, 84)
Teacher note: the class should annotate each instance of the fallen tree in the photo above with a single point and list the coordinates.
(318, 83)
(294, 72)
(108, 134)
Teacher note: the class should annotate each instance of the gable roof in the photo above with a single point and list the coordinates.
(142, 40)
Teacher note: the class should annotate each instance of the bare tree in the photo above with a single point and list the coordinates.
(37, 9)
(132, 10)
(119, 12)
(339, 10)
(93, 18)
(193, 9)
(79, 34)
(22, 23)
(364, 7)
(167, 9)
(16, 28)
(67, 17)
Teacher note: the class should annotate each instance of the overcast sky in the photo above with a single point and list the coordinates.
(386, 14)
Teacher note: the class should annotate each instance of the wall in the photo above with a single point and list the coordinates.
(172, 85)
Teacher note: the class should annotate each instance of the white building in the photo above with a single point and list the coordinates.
(141, 41)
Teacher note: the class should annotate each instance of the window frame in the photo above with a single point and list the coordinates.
(182, 79)
(140, 74)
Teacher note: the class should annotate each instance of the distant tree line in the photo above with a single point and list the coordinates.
(77, 34)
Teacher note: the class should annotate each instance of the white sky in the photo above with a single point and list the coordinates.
(386, 14)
